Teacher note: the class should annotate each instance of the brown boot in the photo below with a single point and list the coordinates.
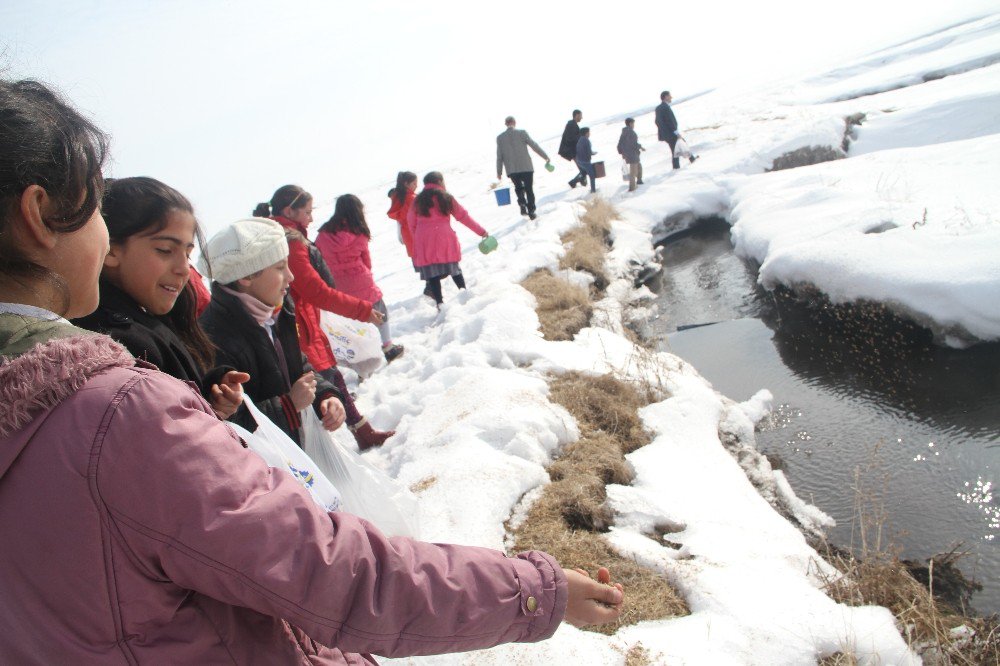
(367, 437)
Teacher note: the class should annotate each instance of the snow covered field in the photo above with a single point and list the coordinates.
(908, 218)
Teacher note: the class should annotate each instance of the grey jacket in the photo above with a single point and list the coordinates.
(628, 145)
(512, 152)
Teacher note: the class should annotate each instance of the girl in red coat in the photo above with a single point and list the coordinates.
(402, 197)
(343, 242)
(436, 252)
(312, 290)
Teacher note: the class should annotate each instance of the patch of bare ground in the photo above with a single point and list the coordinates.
(569, 518)
(572, 512)
(805, 156)
(563, 308)
(587, 244)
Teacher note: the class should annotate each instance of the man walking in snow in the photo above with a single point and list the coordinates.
(629, 148)
(567, 147)
(666, 125)
(512, 155)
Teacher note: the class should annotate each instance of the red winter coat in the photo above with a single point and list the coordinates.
(137, 530)
(398, 211)
(311, 293)
(434, 241)
(350, 263)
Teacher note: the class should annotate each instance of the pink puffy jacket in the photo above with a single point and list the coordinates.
(350, 263)
(137, 529)
(434, 241)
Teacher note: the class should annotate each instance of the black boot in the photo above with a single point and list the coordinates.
(677, 163)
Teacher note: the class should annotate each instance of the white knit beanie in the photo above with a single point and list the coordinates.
(243, 248)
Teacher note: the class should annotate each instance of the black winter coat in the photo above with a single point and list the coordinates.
(666, 122)
(147, 337)
(567, 147)
(244, 344)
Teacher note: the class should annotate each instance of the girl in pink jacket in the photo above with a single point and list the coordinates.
(436, 251)
(138, 529)
(343, 242)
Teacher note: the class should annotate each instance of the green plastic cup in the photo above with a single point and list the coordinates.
(550, 167)
(488, 244)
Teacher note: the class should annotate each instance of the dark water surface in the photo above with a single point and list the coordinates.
(860, 401)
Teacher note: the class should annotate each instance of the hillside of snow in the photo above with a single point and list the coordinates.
(906, 216)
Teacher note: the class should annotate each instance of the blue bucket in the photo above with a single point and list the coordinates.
(503, 196)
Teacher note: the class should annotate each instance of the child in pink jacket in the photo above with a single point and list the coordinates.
(137, 529)
(343, 242)
(436, 251)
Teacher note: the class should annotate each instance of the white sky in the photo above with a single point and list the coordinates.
(228, 100)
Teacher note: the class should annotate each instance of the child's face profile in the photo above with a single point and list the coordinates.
(270, 285)
(153, 267)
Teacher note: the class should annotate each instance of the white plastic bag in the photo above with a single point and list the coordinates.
(625, 171)
(681, 148)
(279, 451)
(366, 491)
(356, 344)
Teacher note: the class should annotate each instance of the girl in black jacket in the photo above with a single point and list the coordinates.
(147, 301)
(251, 321)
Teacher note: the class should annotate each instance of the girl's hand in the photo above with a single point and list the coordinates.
(376, 318)
(303, 391)
(333, 414)
(227, 395)
(592, 602)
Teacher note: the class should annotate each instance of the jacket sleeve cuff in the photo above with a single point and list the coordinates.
(291, 414)
(544, 594)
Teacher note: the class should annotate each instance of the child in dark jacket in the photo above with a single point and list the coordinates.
(148, 303)
(252, 323)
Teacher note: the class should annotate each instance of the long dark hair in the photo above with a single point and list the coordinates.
(348, 215)
(403, 179)
(139, 205)
(431, 197)
(45, 142)
(284, 196)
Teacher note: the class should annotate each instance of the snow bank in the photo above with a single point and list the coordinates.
(906, 218)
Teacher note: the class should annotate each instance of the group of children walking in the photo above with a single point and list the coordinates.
(139, 528)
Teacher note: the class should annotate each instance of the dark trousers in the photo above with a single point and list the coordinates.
(434, 287)
(672, 141)
(523, 182)
(580, 177)
(587, 169)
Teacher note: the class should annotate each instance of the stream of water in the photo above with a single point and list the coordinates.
(867, 413)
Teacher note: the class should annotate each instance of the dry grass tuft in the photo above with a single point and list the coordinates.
(603, 403)
(572, 511)
(585, 253)
(563, 308)
(879, 579)
(648, 594)
(587, 244)
(597, 452)
(839, 659)
(638, 655)
(423, 484)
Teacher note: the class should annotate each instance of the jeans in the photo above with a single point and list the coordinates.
(588, 169)
(523, 188)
